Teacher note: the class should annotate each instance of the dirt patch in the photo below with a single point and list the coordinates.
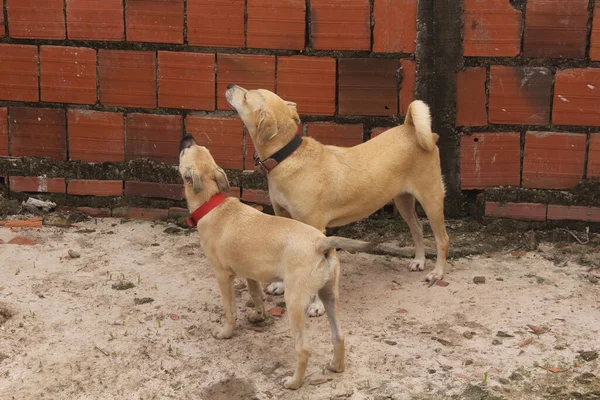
(73, 336)
(5, 314)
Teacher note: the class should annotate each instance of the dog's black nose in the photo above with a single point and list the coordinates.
(231, 85)
(187, 141)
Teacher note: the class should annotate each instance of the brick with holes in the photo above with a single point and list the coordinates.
(553, 160)
(95, 20)
(38, 132)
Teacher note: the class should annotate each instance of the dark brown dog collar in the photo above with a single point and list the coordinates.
(264, 166)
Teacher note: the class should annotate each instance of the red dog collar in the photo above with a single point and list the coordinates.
(204, 209)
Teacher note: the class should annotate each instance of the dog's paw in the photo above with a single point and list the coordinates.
(435, 275)
(222, 333)
(335, 367)
(276, 288)
(289, 383)
(256, 316)
(417, 265)
(316, 308)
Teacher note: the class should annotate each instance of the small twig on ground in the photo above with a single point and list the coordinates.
(102, 351)
(587, 235)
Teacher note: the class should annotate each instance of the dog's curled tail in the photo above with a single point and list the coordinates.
(418, 116)
(337, 242)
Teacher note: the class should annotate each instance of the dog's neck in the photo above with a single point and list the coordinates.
(194, 201)
(266, 149)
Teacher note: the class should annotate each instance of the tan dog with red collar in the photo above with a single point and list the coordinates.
(329, 186)
(240, 240)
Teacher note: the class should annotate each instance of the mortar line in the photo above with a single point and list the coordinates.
(307, 38)
(586, 155)
(65, 17)
(371, 24)
(124, 20)
(185, 33)
(245, 23)
(588, 34)
(5, 13)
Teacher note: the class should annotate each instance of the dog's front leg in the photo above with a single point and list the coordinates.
(226, 286)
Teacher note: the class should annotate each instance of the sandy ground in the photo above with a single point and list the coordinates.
(66, 333)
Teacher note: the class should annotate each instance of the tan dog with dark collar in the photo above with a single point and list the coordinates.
(240, 240)
(329, 186)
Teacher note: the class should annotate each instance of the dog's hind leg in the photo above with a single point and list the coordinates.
(433, 204)
(405, 203)
(330, 297)
(259, 306)
(278, 288)
(296, 305)
(225, 281)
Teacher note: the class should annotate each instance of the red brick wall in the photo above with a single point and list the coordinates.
(528, 98)
(114, 81)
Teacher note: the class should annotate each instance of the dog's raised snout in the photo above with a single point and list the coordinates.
(230, 86)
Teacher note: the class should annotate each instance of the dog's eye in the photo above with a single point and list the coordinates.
(245, 96)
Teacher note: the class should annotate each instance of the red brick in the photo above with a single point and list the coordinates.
(18, 72)
(178, 212)
(395, 29)
(368, 86)
(84, 187)
(595, 38)
(378, 131)
(490, 159)
(520, 95)
(155, 137)
(524, 211)
(471, 97)
(36, 19)
(186, 80)
(573, 213)
(256, 196)
(276, 24)
(143, 214)
(217, 23)
(96, 136)
(309, 82)
(159, 21)
(553, 160)
(247, 71)
(38, 132)
(3, 131)
(68, 74)
(556, 28)
(407, 89)
(491, 28)
(95, 20)
(340, 24)
(153, 189)
(222, 136)
(22, 241)
(127, 78)
(233, 192)
(335, 134)
(593, 168)
(577, 97)
(38, 184)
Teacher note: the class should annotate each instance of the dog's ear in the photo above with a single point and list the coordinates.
(221, 179)
(191, 177)
(267, 125)
(293, 111)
